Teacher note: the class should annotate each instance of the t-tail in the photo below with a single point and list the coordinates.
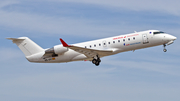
(27, 46)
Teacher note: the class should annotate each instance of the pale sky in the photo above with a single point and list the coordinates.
(144, 75)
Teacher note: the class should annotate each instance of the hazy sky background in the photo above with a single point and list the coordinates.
(144, 75)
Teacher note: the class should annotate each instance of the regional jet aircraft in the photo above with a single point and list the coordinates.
(92, 50)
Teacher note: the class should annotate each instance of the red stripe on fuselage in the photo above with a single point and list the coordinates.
(132, 35)
(121, 37)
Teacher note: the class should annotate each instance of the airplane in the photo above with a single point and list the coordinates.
(92, 50)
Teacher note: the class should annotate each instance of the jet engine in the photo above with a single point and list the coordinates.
(58, 49)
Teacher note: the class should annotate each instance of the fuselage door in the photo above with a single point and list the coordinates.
(145, 39)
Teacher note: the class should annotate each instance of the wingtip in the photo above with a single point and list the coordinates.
(64, 43)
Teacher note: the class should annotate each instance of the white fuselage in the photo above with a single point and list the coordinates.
(117, 44)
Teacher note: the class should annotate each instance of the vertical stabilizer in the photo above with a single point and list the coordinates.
(27, 46)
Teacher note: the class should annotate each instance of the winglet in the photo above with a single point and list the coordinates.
(64, 43)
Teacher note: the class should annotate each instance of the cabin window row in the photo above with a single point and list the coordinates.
(113, 42)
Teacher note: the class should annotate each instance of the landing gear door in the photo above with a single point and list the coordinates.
(145, 39)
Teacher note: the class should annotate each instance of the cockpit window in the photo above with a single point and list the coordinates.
(158, 32)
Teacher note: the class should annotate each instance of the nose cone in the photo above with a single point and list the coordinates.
(170, 37)
(173, 38)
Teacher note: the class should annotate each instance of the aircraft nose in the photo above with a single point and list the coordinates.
(170, 37)
(173, 37)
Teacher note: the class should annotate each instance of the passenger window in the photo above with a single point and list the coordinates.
(113, 41)
(129, 39)
(109, 42)
(94, 45)
(118, 40)
(85, 46)
(90, 46)
(123, 39)
(99, 44)
(134, 38)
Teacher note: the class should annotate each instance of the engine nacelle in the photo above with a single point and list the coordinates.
(59, 49)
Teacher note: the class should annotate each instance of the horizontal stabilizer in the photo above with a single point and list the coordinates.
(15, 39)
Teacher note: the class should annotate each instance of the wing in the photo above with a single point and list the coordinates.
(87, 51)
